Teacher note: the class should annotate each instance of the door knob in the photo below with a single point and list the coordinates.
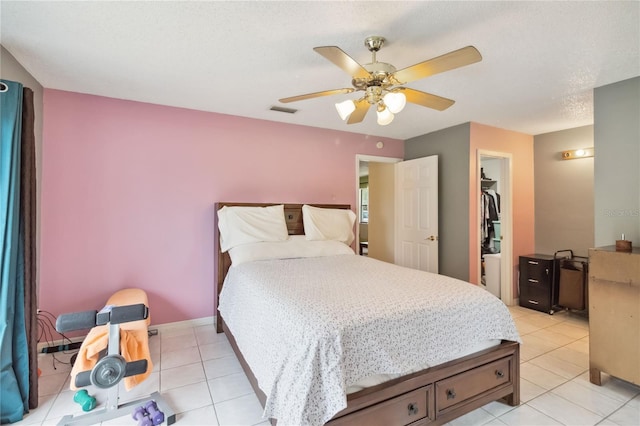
(432, 238)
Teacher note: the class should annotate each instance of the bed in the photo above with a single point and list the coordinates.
(393, 377)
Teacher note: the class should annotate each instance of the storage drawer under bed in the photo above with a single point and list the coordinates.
(402, 410)
(465, 386)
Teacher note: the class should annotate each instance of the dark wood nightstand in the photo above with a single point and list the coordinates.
(539, 279)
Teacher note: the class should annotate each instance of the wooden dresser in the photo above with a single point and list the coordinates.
(614, 314)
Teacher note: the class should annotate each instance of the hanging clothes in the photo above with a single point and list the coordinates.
(496, 199)
(489, 212)
(484, 214)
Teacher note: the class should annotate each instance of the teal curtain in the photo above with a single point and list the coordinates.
(14, 354)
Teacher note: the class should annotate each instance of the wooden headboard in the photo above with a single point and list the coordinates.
(293, 217)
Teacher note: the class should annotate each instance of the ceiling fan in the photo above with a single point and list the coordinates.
(382, 84)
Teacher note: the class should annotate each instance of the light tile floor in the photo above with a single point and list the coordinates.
(198, 374)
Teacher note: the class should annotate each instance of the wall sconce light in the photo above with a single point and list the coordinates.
(577, 153)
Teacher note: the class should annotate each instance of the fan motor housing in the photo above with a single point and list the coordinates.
(381, 73)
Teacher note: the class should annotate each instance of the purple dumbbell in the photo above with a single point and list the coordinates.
(154, 413)
(140, 414)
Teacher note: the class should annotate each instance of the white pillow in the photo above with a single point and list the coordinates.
(296, 246)
(328, 224)
(242, 225)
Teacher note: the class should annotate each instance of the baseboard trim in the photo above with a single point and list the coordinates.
(198, 322)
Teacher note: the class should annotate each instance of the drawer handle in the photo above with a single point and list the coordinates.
(531, 280)
(534, 302)
(451, 394)
(499, 374)
(413, 408)
(531, 262)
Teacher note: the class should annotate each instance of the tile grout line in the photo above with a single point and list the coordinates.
(213, 404)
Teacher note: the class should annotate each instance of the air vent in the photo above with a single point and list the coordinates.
(282, 109)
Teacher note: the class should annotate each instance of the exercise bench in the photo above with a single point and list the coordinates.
(115, 349)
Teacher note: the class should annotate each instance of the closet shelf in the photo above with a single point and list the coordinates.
(487, 183)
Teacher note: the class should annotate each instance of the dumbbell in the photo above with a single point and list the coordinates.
(154, 413)
(86, 401)
(141, 415)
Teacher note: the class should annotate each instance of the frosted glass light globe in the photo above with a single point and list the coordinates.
(345, 108)
(385, 117)
(395, 101)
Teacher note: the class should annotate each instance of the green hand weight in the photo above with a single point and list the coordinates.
(86, 401)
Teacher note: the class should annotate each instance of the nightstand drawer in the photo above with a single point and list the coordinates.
(535, 270)
(535, 299)
(535, 282)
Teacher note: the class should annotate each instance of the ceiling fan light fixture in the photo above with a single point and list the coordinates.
(382, 83)
(385, 117)
(345, 108)
(395, 101)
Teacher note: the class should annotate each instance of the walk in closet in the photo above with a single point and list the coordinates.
(490, 225)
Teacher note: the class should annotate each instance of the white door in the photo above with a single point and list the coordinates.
(417, 213)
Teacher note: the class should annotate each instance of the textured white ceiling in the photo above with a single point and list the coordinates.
(541, 60)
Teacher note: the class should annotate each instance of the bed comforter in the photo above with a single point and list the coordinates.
(310, 328)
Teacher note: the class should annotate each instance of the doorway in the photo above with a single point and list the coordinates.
(494, 219)
(372, 236)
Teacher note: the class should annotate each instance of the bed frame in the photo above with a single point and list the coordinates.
(433, 396)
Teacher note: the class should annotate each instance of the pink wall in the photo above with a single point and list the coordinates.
(128, 191)
(520, 146)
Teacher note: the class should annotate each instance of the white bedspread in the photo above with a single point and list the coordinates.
(309, 328)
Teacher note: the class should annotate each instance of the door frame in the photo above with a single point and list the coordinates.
(506, 221)
(367, 159)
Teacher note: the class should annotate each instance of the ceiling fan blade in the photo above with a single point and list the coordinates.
(316, 95)
(343, 61)
(452, 60)
(362, 106)
(426, 99)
